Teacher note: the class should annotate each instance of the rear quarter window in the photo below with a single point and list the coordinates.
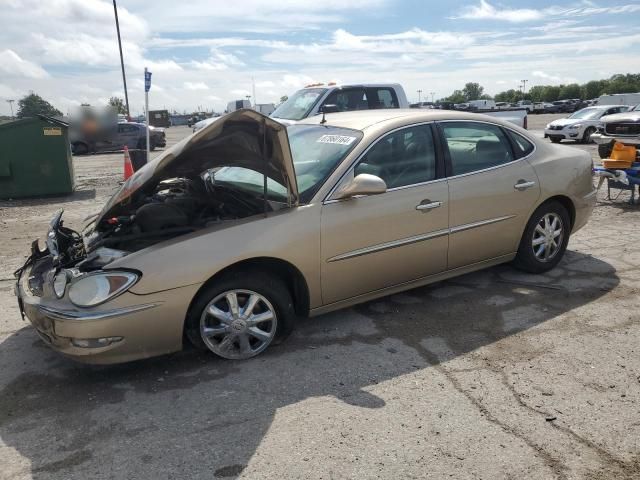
(521, 146)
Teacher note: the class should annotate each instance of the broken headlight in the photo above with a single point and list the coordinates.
(96, 288)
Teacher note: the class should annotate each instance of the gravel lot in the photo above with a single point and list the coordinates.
(491, 375)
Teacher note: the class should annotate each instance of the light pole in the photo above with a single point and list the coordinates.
(524, 87)
(432, 94)
(248, 97)
(419, 95)
(10, 102)
(124, 77)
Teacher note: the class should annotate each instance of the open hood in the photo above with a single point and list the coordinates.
(244, 138)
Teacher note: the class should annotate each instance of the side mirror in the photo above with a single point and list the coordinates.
(363, 184)
(329, 108)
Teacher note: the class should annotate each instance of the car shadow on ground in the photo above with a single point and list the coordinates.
(191, 415)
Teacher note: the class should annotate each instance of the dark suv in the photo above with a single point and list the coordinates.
(129, 134)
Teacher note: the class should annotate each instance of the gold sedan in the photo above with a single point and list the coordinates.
(229, 236)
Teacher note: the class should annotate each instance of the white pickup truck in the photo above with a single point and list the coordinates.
(310, 100)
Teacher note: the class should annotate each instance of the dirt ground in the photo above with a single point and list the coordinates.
(492, 375)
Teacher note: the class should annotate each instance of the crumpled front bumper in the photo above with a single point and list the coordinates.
(129, 327)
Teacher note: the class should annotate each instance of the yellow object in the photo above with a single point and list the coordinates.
(625, 153)
(622, 164)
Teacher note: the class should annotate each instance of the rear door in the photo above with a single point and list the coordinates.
(492, 190)
(374, 242)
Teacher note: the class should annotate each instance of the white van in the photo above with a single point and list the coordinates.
(307, 102)
(619, 99)
(482, 104)
(237, 105)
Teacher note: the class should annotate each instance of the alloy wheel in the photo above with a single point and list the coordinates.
(547, 237)
(238, 324)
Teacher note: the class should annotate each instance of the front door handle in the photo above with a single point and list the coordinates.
(427, 205)
(523, 185)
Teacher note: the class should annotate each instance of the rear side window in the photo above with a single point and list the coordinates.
(522, 146)
(475, 146)
(382, 98)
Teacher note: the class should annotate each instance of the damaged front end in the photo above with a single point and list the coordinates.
(237, 167)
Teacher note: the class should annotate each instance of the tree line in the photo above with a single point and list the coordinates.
(619, 83)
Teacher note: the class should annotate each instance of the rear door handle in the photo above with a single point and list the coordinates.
(428, 205)
(523, 185)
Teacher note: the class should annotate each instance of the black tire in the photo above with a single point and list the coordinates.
(269, 286)
(526, 259)
(604, 150)
(80, 148)
(555, 139)
(586, 138)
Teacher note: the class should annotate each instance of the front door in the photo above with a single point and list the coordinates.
(492, 190)
(373, 242)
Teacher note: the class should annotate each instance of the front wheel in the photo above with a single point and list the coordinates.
(586, 138)
(545, 239)
(240, 315)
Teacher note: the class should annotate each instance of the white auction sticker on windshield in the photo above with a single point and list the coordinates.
(337, 139)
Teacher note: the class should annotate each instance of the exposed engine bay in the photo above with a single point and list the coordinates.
(177, 193)
(174, 207)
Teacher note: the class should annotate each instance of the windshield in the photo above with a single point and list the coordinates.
(299, 104)
(316, 151)
(588, 113)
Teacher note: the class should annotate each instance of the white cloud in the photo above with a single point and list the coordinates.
(486, 11)
(11, 64)
(265, 84)
(195, 86)
(549, 78)
(240, 92)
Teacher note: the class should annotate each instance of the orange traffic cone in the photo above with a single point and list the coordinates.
(128, 167)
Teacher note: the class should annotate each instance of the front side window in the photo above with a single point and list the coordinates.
(348, 99)
(405, 157)
(299, 104)
(475, 146)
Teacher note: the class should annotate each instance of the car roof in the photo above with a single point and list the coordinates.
(363, 119)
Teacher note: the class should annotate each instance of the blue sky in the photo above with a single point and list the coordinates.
(206, 52)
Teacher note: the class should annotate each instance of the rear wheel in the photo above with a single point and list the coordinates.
(80, 148)
(586, 138)
(240, 315)
(545, 238)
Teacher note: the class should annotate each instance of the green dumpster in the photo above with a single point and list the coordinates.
(35, 158)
